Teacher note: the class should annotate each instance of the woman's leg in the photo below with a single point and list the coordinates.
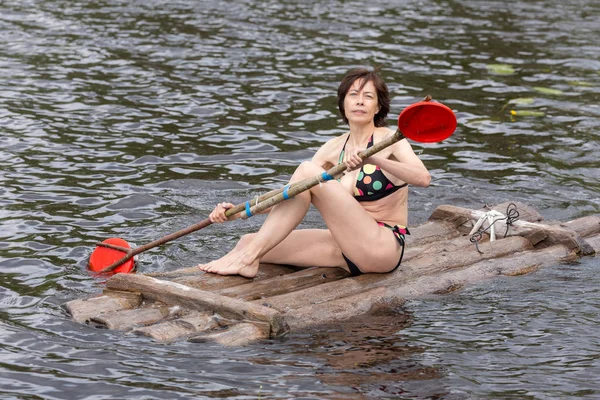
(353, 230)
(282, 219)
(302, 248)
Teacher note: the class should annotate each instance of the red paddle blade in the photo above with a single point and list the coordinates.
(427, 122)
(102, 257)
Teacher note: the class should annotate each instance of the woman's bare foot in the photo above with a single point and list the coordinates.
(235, 263)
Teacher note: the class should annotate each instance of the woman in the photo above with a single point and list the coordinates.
(365, 211)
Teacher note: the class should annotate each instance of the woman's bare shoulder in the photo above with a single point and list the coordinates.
(382, 133)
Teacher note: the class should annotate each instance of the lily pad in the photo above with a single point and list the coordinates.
(501, 69)
(554, 92)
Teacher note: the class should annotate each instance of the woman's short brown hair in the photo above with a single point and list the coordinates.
(383, 94)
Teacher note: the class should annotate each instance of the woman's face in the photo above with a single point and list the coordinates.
(361, 105)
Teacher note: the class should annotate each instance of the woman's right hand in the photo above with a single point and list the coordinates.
(218, 214)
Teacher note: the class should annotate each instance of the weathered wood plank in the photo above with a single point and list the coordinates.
(190, 324)
(585, 226)
(285, 284)
(428, 262)
(447, 281)
(430, 232)
(213, 282)
(456, 254)
(541, 235)
(343, 308)
(82, 310)
(124, 320)
(172, 293)
(393, 295)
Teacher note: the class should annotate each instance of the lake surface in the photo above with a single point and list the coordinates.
(134, 118)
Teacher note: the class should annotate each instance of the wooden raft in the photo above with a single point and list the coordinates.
(232, 310)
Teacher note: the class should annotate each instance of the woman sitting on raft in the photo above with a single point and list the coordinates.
(365, 211)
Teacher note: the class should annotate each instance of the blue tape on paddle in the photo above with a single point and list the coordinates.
(248, 213)
(286, 195)
(326, 177)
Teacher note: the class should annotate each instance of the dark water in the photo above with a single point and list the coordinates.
(133, 118)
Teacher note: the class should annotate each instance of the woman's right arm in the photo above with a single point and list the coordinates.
(325, 156)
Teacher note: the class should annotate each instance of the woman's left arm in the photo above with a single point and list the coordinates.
(409, 167)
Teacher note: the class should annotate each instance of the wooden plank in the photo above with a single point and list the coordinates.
(343, 308)
(83, 310)
(390, 295)
(541, 235)
(519, 264)
(173, 293)
(185, 326)
(285, 284)
(456, 254)
(124, 320)
(585, 226)
(213, 282)
(430, 232)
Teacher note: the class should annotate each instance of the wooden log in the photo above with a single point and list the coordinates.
(431, 232)
(190, 324)
(394, 294)
(456, 254)
(585, 226)
(237, 335)
(594, 242)
(343, 308)
(83, 310)
(124, 320)
(213, 282)
(285, 284)
(448, 281)
(426, 263)
(172, 293)
(540, 235)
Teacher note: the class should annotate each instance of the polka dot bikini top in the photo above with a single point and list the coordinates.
(371, 183)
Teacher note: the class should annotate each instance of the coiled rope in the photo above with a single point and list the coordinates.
(512, 215)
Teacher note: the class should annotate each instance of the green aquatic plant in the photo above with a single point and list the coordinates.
(527, 113)
(549, 91)
(521, 101)
(500, 69)
(580, 83)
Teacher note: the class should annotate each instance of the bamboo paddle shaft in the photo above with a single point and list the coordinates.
(246, 209)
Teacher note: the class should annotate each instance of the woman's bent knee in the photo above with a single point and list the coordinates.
(307, 169)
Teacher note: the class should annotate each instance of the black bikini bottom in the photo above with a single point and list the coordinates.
(399, 232)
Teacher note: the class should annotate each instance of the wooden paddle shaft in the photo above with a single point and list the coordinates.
(254, 206)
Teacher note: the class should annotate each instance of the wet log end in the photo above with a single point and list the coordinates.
(172, 293)
(237, 335)
(185, 326)
(450, 287)
(128, 319)
(522, 271)
(82, 310)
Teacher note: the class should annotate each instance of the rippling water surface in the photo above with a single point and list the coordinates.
(133, 118)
